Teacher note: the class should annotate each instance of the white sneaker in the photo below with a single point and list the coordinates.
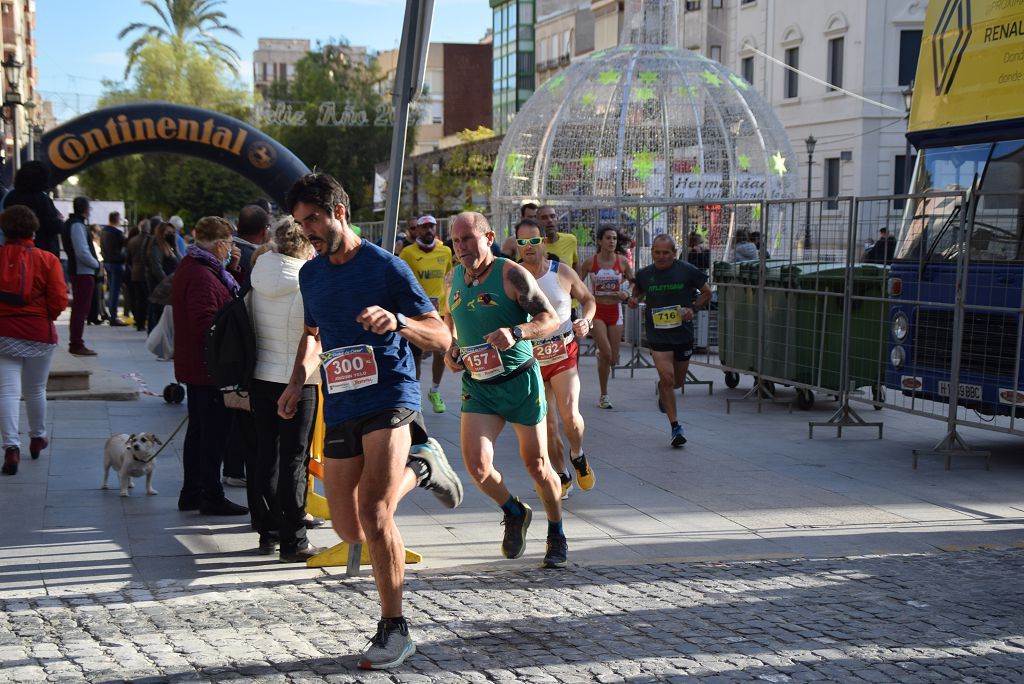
(604, 402)
(388, 648)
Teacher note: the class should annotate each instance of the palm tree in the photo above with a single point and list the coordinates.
(185, 22)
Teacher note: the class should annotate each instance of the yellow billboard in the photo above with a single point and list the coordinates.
(971, 68)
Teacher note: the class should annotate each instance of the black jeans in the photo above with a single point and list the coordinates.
(241, 444)
(140, 303)
(277, 470)
(207, 433)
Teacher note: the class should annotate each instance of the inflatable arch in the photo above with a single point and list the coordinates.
(178, 129)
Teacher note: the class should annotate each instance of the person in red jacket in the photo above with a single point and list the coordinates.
(29, 337)
(202, 285)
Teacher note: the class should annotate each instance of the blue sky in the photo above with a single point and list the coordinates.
(77, 45)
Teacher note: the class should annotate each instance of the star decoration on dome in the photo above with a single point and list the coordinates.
(556, 83)
(644, 94)
(555, 170)
(687, 91)
(744, 162)
(696, 169)
(778, 163)
(739, 82)
(609, 77)
(756, 213)
(648, 77)
(514, 163)
(599, 54)
(643, 165)
(588, 99)
(587, 160)
(711, 78)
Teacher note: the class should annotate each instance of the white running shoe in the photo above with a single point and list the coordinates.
(388, 648)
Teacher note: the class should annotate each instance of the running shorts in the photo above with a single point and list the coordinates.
(345, 440)
(520, 400)
(681, 352)
(611, 314)
(573, 351)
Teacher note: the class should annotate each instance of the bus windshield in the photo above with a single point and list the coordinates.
(994, 174)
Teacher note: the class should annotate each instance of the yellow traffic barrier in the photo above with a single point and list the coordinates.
(343, 553)
(338, 555)
(316, 505)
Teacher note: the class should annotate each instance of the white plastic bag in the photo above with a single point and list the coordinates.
(161, 340)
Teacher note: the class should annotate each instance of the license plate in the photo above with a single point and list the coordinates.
(964, 391)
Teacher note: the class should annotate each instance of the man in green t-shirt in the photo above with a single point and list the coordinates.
(673, 290)
(495, 308)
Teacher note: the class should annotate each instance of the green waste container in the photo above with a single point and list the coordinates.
(738, 285)
(813, 341)
(737, 316)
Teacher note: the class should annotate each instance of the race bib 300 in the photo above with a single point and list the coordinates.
(349, 368)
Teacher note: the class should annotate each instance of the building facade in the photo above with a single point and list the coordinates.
(456, 81)
(24, 112)
(513, 59)
(274, 60)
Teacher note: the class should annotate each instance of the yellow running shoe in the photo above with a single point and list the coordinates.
(584, 473)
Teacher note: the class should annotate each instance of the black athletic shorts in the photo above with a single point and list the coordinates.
(345, 440)
(681, 352)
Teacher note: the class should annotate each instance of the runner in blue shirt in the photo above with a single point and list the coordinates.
(363, 307)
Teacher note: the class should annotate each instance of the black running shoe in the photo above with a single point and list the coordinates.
(514, 542)
(557, 552)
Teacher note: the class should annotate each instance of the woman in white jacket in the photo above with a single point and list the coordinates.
(277, 475)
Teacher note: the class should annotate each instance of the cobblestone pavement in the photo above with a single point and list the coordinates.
(956, 616)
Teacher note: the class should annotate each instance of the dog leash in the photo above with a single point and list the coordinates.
(164, 445)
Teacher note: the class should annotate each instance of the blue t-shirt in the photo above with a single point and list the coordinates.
(334, 295)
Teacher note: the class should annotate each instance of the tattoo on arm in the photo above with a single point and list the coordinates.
(528, 295)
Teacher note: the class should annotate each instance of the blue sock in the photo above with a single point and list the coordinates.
(512, 507)
(555, 528)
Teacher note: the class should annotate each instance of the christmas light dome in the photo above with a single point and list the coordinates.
(643, 124)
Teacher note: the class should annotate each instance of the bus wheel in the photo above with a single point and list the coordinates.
(731, 379)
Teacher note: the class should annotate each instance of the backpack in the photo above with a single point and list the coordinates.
(17, 273)
(230, 346)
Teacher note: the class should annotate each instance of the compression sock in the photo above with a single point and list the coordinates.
(512, 507)
(555, 528)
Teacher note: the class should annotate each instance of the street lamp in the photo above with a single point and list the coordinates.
(908, 98)
(12, 98)
(30, 110)
(810, 142)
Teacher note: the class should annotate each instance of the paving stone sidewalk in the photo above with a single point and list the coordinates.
(900, 618)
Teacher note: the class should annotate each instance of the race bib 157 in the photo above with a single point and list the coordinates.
(482, 361)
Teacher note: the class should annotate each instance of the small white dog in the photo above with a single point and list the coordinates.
(131, 456)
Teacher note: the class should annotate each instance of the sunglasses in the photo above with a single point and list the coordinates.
(522, 242)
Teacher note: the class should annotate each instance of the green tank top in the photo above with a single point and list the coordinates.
(480, 310)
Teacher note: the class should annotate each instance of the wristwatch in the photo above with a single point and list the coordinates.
(401, 322)
(517, 333)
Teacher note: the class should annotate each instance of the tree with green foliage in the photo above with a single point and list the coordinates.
(337, 122)
(184, 23)
(464, 175)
